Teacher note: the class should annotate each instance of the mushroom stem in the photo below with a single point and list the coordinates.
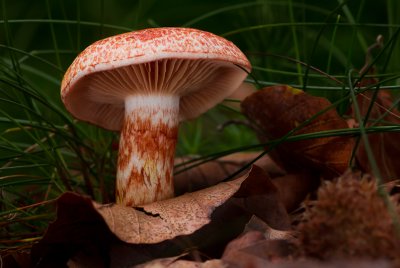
(147, 149)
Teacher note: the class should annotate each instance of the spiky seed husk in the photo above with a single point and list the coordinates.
(348, 219)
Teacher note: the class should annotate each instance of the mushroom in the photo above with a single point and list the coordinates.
(143, 83)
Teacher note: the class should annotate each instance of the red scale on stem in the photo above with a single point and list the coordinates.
(147, 150)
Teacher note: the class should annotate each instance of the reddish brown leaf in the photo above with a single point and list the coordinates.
(279, 109)
(276, 249)
(213, 172)
(122, 236)
(261, 198)
(256, 224)
(255, 249)
(15, 259)
(169, 218)
(174, 263)
(385, 145)
(294, 188)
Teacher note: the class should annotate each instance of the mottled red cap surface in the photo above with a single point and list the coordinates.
(197, 66)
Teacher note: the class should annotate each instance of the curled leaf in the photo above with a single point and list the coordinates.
(214, 171)
(294, 187)
(163, 220)
(277, 110)
(253, 249)
(175, 263)
(385, 145)
(114, 235)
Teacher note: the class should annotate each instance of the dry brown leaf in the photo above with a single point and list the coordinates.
(212, 172)
(331, 264)
(169, 218)
(263, 200)
(256, 224)
(121, 236)
(385, 145)
(253, 249)
(187, 213)
(277, 110)
(173, 263)
(294, 188)
(259, 249)
(236, 258)
(258, 245)
(15, 259)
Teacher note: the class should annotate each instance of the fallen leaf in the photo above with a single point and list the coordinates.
(121, 236)
(174, 263)
(263, 200)
(295, 187)
(253, 249)
(256, 224)
(214, 171)
(277, 110)
(330, 264)
(171, 262)
(78, 226)
(14, 259)
(385, 145)
(182, 215)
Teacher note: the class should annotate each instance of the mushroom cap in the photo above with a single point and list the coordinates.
(197, 66)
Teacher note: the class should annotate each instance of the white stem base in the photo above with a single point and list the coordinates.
(147, 149)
